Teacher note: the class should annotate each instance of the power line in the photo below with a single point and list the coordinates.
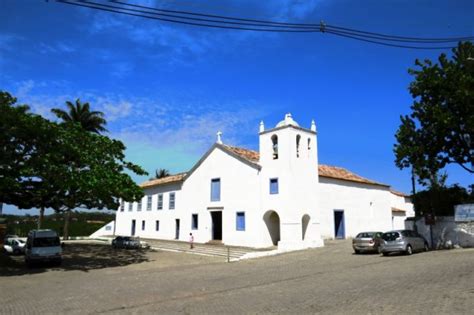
(233, 23)
(187, 18)
(302, 25)
(387, 44)
(102, 7)
(420, 39)
(218, 16)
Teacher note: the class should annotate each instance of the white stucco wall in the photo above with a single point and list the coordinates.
(303, 197)
(165, 216)
(366, 207)
(447, 233)
(239, 193)
(106, 230)
(297, 173)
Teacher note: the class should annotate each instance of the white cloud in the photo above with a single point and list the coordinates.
(178, 44)
(186, 124)
(56, 48)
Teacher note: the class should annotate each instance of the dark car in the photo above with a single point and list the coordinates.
(367, 242)
(402, 241)
(128, 243)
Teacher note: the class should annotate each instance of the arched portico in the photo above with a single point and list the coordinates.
(304, 225)
(272, 221)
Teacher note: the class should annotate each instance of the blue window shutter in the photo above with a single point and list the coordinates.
(273, 186)
(216, 189)
(240, 221)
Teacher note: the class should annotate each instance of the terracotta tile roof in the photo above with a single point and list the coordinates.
(343, 174)
(398, 210)
(253, 157)
(397, 193)
(250, 155)
(164, 180)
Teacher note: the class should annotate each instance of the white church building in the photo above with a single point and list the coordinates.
(280, 196)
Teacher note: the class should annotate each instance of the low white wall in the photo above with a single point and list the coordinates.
(107, 229)
(448, 233)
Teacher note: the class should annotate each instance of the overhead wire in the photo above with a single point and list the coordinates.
(393, 37)
(101, 7)
(388, 44)
(303, 25)
(234, 23)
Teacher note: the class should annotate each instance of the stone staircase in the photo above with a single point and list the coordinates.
(230, 253)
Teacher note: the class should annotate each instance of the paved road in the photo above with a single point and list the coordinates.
(329, 280)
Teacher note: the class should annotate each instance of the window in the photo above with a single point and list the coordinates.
(108, 228)
(130, 206)
(298, 138)
(139, 205)
(275, 146)
(157, 225)
(148, 203)
(309, 144)
(143, 225)
(160, 202)
(215, 189)
(273, 186)
(240, 221)
(172, 201)
(194, 221)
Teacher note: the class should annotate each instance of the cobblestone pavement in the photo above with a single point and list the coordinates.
(329, 280)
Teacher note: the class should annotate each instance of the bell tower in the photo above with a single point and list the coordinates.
(289, 181)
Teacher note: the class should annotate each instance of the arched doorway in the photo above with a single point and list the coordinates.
(304, 224)
(272, 220)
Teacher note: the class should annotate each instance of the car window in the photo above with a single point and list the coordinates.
(390, 236)
(365, 234)
(46, 241)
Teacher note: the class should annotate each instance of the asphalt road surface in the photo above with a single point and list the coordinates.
(329, 280)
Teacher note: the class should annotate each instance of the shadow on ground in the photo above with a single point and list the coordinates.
(82, 257)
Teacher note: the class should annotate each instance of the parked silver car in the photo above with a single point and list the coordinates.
(367, 242)
(402, 241)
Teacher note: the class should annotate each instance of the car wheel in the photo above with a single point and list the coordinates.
(409, 250)
(385, 254)
(426, 248)
(17, 252)
(356, 251)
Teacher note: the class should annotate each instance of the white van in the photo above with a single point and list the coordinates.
(43, 246)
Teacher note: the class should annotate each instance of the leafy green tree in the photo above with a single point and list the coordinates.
(92, 173)
(80, 113)
(61, 166)
(440, 200)
(26, 150)
(440, 129)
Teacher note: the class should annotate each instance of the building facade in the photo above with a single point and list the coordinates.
(279, 196)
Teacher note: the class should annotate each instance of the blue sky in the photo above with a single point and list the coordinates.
(166, 89)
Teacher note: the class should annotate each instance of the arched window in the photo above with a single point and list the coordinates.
(275, 146)
(309, 147)
(298, 138)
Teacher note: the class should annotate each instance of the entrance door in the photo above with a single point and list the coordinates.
(176, 236)
(133, 227)
(339, 228)
(216, 225)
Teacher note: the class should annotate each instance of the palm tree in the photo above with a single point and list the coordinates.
(160, 173)
(80, 113)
